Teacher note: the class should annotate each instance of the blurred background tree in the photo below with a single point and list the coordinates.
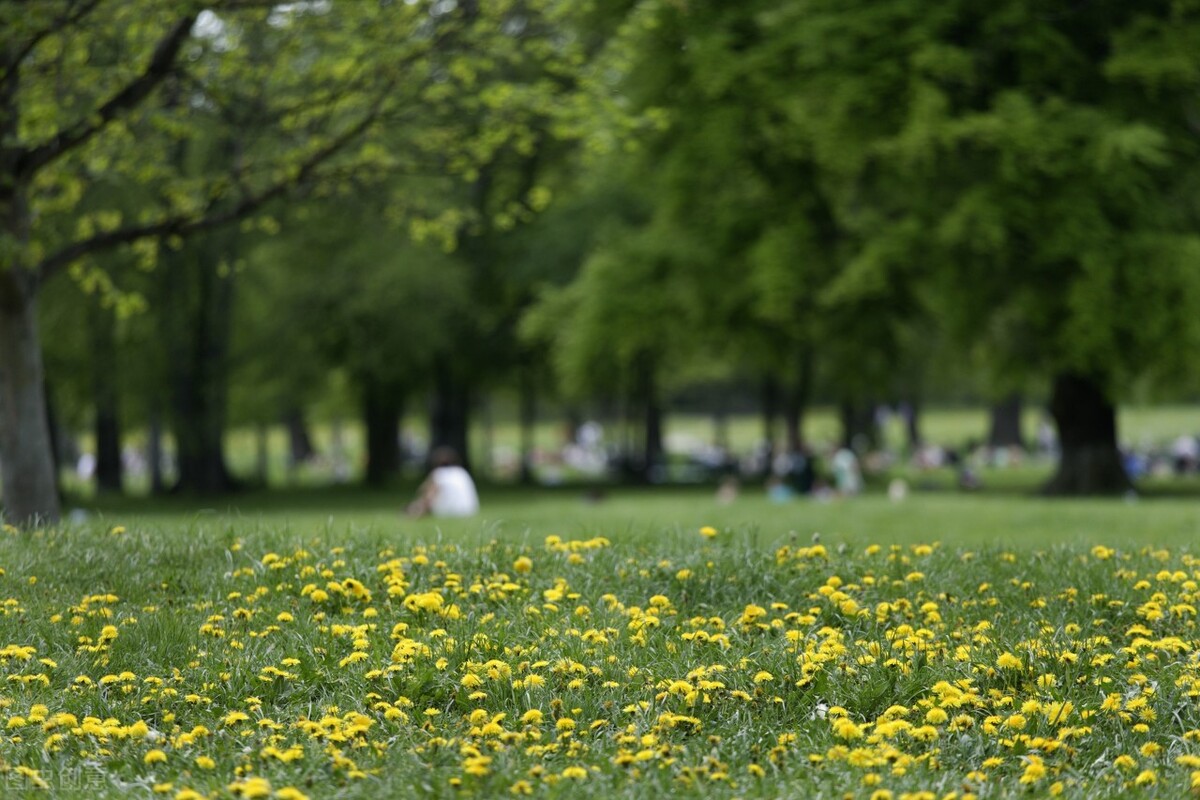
(235, 214)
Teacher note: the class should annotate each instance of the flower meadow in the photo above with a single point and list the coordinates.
(697, 663)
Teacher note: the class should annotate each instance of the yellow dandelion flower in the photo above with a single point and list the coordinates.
(1007, 660)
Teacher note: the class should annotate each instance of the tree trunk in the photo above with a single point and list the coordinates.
(859, 430)
(107, 424)
(300, 446)
(1090, 463)
(770, 407)
(381, 413)
(1005, 428)
(154, 453)
(201, 319)
(796, 401)
(653, 451)
(450, 414)
(30, 486)
(912, 424)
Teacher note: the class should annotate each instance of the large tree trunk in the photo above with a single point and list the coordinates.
(381, 413)
(107, 424)
(30, 486)
(1090, 463)
(1005, 430)
(450, 414)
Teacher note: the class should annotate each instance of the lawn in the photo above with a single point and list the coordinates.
(643, 643)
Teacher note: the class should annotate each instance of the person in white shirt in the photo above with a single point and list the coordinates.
(448, 491)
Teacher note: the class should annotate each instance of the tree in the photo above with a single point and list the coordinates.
(298, 91)
(1039, 165)
(390, 316)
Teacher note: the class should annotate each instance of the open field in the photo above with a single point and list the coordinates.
(1011, 519)
(317, 645)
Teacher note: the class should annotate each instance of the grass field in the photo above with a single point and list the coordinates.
(647, 643)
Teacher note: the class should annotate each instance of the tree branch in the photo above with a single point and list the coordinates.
(74, 15)
(213, 216)
(161, 63)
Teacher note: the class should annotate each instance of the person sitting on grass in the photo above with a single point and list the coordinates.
(448, 491)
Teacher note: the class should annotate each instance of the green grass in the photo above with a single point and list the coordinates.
(1012, 515)
(332, 649)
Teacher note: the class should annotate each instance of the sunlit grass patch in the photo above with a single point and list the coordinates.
(702, 662)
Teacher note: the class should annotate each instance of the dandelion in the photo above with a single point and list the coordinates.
(708, 532)
(1007, 660)
(154, 757)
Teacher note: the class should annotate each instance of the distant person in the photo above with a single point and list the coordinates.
(846, 474)
(778, 491)
(448, 491)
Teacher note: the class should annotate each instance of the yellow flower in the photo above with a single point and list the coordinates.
(1008, 661)
(1146, 777)
(251, 788)
(578, 773)
(154, 757)
(1124, 762)
(1034, 772)
(204, 762)
(523, 565)
(290, 793)
(708, 532)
